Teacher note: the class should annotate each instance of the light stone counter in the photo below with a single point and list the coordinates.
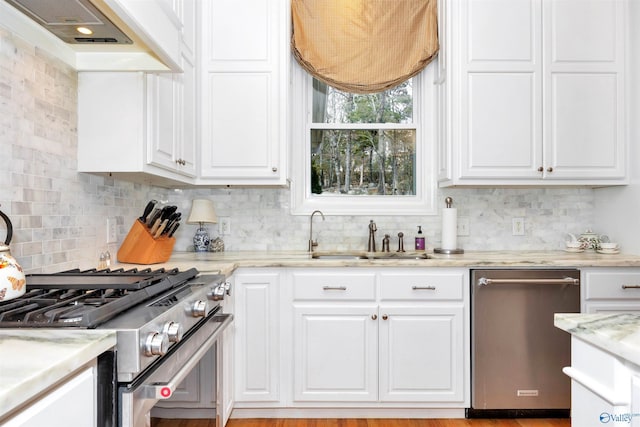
(616, 333)
(32, 360)
(227, 262)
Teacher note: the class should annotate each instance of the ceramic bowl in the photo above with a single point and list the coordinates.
(608, 245)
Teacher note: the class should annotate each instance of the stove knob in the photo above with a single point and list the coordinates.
(218, 291)
(156, 344)
(199, 309)
(173, 330)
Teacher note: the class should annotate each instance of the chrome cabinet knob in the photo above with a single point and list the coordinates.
(374, 316)
(173, 330)
(549, 169)
(385, 317)
(156, 344)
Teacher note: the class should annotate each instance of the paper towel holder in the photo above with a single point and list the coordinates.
(448, 202)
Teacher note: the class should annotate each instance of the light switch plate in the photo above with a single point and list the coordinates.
(112, 232)
(224, 225)
(517, 226)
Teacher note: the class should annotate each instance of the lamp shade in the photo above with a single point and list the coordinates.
(202, 210)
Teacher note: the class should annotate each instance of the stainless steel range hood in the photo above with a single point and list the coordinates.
(64, 18)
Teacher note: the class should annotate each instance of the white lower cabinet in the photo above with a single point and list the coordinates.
(421, 354)
(601, 387)
(335, 353)
(610, 289)
(380, 335)
(72, 403)
(257, 319)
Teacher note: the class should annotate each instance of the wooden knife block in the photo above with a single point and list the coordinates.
(139, 247)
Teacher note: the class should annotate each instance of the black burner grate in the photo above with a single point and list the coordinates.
(86, 298)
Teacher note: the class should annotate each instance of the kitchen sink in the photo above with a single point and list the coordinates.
(338, 256)
(398, 255)
(368, 255)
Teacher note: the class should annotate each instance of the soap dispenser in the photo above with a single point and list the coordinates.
(420, 240)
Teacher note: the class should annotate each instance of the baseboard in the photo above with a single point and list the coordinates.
(517, 413)
(348, 413)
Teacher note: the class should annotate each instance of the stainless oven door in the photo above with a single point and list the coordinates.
(161, 379)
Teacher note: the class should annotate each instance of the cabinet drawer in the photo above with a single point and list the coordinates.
(612, 284)
(422, 286)
(334, 286)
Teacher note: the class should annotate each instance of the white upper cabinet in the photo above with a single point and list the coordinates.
(243, 93)
(535, 90)
(142, 126)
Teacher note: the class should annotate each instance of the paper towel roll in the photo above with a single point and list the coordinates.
(449, 228)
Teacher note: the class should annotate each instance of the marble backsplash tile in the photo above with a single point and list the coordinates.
(260, 220)
(59, 215)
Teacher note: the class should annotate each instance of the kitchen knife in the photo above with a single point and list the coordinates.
(161, 228)
(172, 219)
(153, 217)
(155, 226)
(167, 211)
(147, 210)
(159, 215)
(173, 229)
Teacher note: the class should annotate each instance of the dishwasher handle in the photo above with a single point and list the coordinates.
(484, 281)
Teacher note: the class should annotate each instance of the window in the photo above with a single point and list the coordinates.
(362, 154)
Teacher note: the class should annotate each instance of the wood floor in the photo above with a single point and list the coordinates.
(358, 422)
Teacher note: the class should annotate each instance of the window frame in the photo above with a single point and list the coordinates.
(303, 202)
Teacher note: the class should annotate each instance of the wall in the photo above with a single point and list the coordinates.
(617, 209)
(260, 220)
(60, 215)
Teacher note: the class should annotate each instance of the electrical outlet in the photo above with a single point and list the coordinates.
(517, 226)
(224, 225)
(112, 232)
(463, 226)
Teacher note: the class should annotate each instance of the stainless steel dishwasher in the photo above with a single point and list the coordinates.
(517, 355)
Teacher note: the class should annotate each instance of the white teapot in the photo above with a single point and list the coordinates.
(591, 240)
(12, 280)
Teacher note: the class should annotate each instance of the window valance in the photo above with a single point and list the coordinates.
(364, 46)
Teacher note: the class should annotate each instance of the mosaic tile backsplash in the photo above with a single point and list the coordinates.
(59, 215)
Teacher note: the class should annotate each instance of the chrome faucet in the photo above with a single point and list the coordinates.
(371, 247)
(312, 243)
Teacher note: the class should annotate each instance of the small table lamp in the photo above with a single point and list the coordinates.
(202, 211)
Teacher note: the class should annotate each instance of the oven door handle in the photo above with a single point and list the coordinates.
(159, 391)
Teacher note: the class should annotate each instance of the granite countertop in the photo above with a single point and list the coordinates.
(227, 262)
(32, 360)
(616, 333)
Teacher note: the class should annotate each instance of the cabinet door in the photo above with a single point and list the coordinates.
(243, 92)
(335, 353)
(188, 122)
(162, 95)
(171, 128)
(421, 354)
(584, 49)
(225, 396)
(257, 339)
(500, 127)
(71, 404)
